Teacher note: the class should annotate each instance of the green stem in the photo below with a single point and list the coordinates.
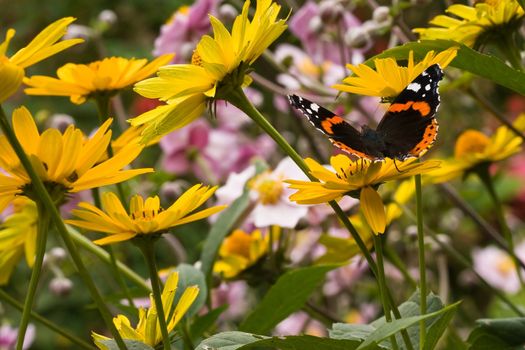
(239, 100)
(186, 334)
(52, 326)
(42, 229)
(483, 173)
(86, 244)
(146, 245)
(422, 263)
(378, 244)
(46, 200)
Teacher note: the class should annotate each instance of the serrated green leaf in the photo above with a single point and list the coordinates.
(467, 59)
(286, 296)
(130, 344)
(493, 334)
(228, 341)
(220, 229)
(390, 328)
(190, 276)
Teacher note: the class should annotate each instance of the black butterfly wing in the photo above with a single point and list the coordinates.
(340, 133)
(409, 127)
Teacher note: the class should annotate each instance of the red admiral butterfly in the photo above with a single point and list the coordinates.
(408, 128)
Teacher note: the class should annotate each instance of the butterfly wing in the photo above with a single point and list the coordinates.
(340, 133)
(409, 127)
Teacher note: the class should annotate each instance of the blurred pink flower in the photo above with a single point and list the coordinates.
(9, 336)
(342, 279)
(210, 154)
(235, 295)
(300, 323)
(269, 192)
(184, 29)
(497, 267)
(317, 37)
(230, 117)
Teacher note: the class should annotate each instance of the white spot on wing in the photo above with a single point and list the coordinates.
(427, 87)
(414, 87)
(315, 107)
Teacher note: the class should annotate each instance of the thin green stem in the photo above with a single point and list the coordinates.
(455, 254)
(46, 200)
(6, 298)
(42, 229)
(147, 246)
(186, 335)
(483, 173)
(239, 100)
(422, 262)
(378, 244)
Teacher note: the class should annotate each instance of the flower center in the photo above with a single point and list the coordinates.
(505, 266)
(144, 215)
(238, 243)
(196, 59)
(269, 188)
(470, 142)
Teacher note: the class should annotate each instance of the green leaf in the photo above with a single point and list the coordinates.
(305, 342)
(505, 333)
(338, 250)
(130, 344)
(391, 328)
(286, 296)
(228, 341)
(467, 59)
(190, 276)
(226, 221)
(204, 322)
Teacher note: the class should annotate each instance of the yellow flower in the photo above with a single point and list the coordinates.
(474, 148)
(358, 178)
(148, 327)
(388, 79)
(145, 217)
(18, 235)
(472, 26)
(41, 47)
(239, 251)
(66, 163)
(404, 191)
(218, 61)
(105, 77)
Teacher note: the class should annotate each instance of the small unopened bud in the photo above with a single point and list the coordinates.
(59, 254)
(61, 121)
(357, 37)
(108, 17)
(170, 191)
(75, 31)
(316, 24)
(331, 11)
(227, 13)
(60, 286)
(381, 14)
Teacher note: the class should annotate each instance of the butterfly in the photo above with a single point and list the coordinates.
(408, 128)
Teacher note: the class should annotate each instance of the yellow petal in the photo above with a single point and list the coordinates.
(373, 209)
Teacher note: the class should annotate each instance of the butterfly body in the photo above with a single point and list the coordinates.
(408, 128)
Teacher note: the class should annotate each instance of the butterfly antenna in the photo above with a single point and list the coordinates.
(395, 164)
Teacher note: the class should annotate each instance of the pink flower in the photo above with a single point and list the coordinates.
(316, 36)
(210, 154)
(9, 336)
(497, 267)
(341, 280)
(232, 118)
(300, 323)
(235, 295)
(185, 28)
(268, 192)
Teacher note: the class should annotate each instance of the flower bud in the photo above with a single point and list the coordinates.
(331, 11)
(58, 253)
(381, 14)
(227, 13)
(315, 25)
(61, 121)
(108, 17)
(357, 37)
(60, 286)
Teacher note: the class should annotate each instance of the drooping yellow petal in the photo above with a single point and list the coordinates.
(373, 209)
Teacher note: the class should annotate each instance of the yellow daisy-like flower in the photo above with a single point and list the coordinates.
(105, 77)
(359, 178)
(474, 148)
(41, 47)
(239, 251)
(388, 79)
(472, 26)
(221, 60)
(148, 328)
(18, 235)
(145, 217)
(66, 163)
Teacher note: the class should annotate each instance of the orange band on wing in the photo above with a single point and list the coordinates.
(428, 139)
(352, 151)
(422, 107)
(329, 122)
(400, 107)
